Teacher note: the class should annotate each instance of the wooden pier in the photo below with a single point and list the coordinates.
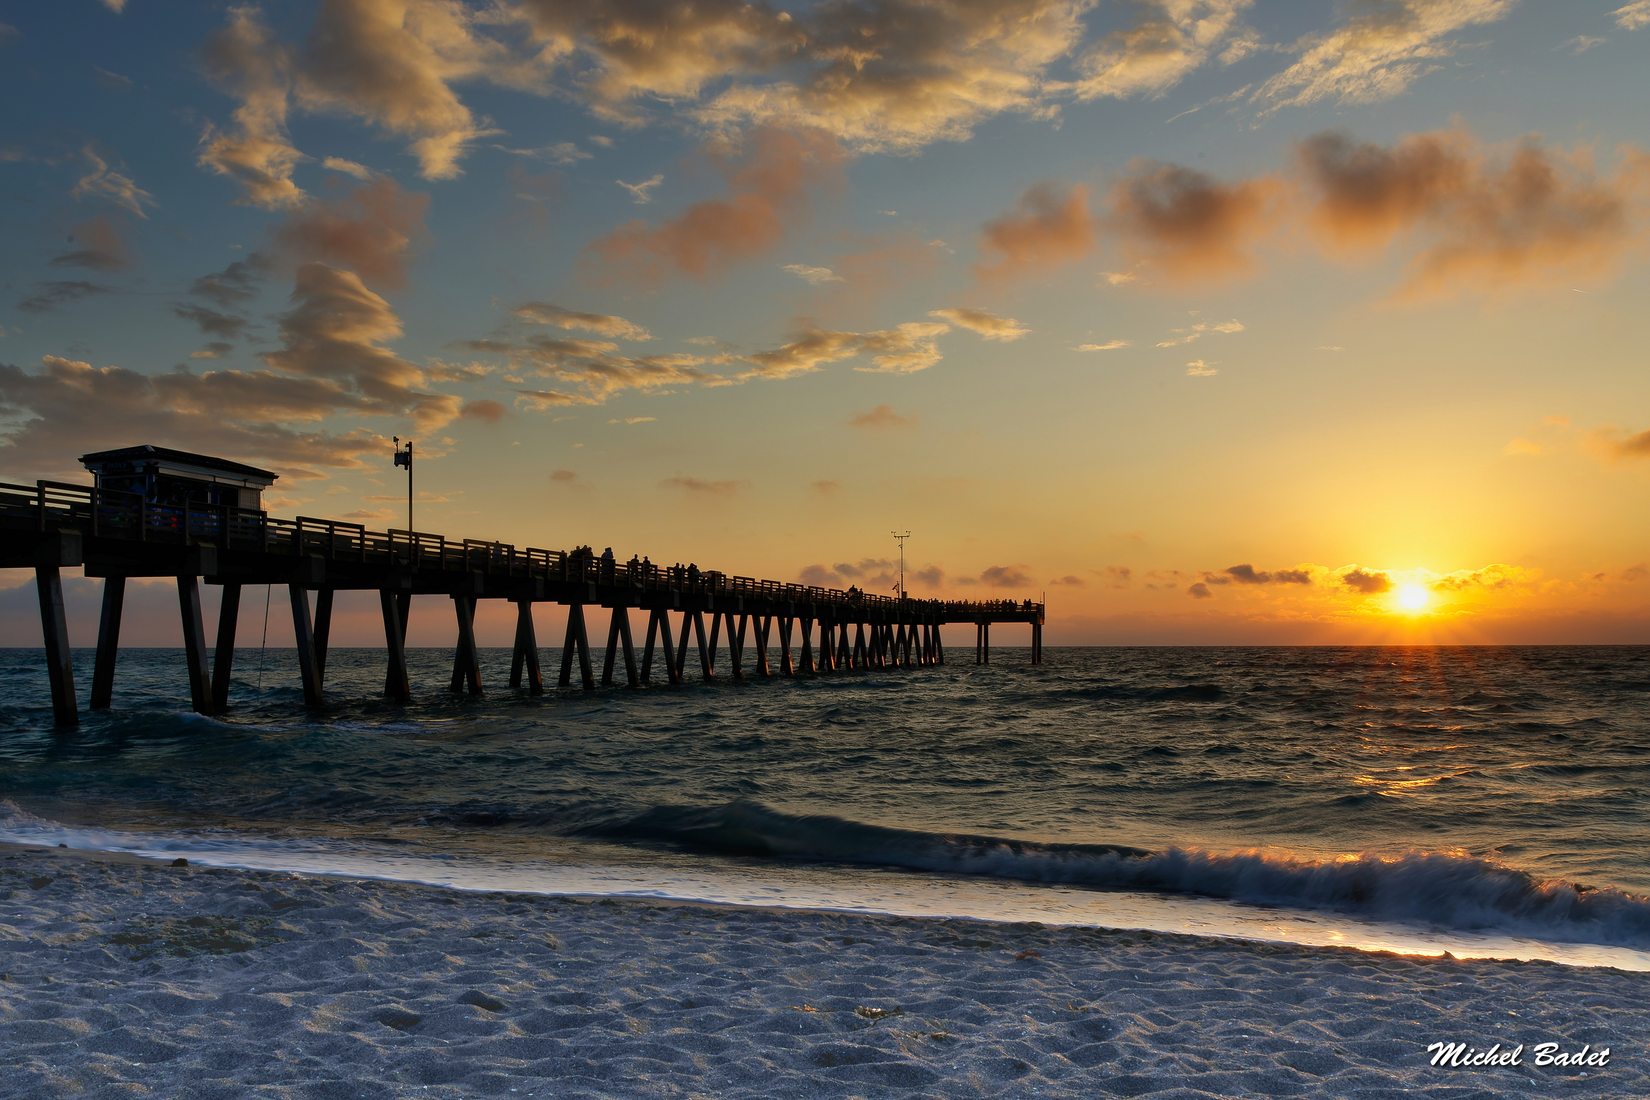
(112, 535)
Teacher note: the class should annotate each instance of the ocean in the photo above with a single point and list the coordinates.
(1483, 801)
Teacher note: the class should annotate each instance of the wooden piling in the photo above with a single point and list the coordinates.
(194, 645)
(108, 643)
(54, 626)
(736, 646)
(303, 633)
(786, 666)
(707, 666)
(223, 660)
(323, 632)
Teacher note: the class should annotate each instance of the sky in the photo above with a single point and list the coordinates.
(1210, 321)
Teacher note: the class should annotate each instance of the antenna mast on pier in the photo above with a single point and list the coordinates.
(902, 538)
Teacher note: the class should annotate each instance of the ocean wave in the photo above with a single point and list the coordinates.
(1440, 888)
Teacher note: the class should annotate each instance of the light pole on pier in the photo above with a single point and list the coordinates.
(404, 458)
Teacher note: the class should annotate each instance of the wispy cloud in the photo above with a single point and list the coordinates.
(1192, 333)
(105, 183)
(1200, 368)
(903, 349)
(1378, 52)
(603, 324)
(347, 167)
(562, 153)
(1109, 345)
(48, 296)
(702, 487)
(988, 325)
(642, 193)
(816, 276)
(1173, 38)
(1632, 16)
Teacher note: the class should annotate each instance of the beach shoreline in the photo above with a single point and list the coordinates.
(120, 976)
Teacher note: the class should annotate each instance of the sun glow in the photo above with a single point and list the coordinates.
(1411, 599)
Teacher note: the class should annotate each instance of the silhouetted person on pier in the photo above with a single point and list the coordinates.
(693, 575)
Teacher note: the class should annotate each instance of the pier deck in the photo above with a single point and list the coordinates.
(115, 536)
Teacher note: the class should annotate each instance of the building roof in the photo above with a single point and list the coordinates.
(149, 452)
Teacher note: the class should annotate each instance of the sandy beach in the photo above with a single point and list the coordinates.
(125, 978)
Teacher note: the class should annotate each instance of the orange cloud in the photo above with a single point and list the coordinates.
(1487, 220)
(73, 407)
(768, 190)
(99, 246)
(1368, 194)
(883, 416)
(701, 486)
(392, 63)
(487, 411)
(246, 60)
(1188, 226)
(1045, 230)
(335, 331)
(1368, 581)
(370, 230)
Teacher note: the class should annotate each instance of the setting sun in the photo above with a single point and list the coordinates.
(1412, 599)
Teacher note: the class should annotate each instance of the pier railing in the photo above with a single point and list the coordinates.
(108, 514)
(118, 535)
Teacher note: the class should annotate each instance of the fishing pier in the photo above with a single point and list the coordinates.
(119, 534)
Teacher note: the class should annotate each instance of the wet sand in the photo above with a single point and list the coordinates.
(125, 978)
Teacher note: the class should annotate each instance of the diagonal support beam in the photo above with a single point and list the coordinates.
(397, 688)
(577, 641)
(466, 662)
